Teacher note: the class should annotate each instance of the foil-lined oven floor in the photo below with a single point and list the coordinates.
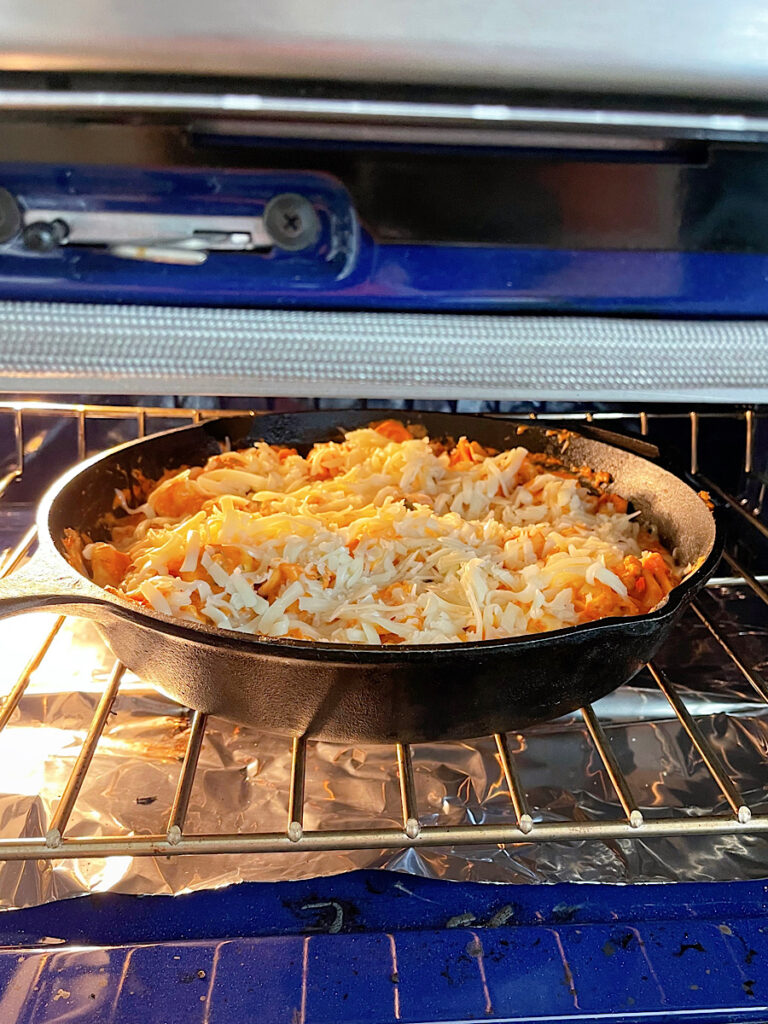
(242, 778)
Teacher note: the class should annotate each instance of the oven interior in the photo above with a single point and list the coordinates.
(667, 766)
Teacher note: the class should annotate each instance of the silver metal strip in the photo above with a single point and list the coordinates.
(731, 581)
(758, 684)
(752, 581)
(16, 555)
(296, 790)
(126, 227)
(186, 780)
(19, 688)
(84, 758)
(84, 348)
(691, 48)
(411, 824)
(707, 752)
(615, 774)
(736, 505)
(430, 134)
(32, 848)
(514, 785)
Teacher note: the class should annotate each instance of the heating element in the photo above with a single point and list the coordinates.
(736, 814)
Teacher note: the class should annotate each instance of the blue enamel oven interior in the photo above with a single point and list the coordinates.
(679, 232)
(377, 946)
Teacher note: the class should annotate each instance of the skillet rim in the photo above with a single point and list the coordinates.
(369, 653)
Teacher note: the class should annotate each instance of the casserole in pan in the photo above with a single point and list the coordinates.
(343, 692)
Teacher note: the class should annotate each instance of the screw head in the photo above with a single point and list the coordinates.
(42, 236)
(291, 222)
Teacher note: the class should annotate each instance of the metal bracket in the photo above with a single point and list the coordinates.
(290, 222)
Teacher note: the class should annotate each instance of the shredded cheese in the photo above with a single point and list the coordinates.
(384, 538)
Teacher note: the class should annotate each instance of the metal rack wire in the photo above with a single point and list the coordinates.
(56, 844)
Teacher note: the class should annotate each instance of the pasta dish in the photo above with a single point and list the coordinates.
(382, 537)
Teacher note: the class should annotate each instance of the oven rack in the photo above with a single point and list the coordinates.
(55, 844)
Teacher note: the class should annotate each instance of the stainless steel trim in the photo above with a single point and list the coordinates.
(690, 47)
(732, 581)
(389, 120)
(429, 134)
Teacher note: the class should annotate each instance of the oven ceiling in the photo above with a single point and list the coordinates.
(702, 49)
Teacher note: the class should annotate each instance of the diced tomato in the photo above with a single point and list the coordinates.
(108, 565)
(227, 460)
(177, 498)
(620, 504)
(393, 430)
(461, 453)
(286, 572)
(74, 543)
(231, 558)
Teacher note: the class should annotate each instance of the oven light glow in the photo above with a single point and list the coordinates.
(78, 661)
(26, 753)
(102, 873)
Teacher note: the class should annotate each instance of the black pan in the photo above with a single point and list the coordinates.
(353, 691)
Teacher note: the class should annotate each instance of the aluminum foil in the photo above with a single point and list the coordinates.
(242, 780)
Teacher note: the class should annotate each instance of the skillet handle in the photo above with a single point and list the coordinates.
(40, 584)
(635, 445)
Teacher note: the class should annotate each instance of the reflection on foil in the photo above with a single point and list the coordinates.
(242, 780)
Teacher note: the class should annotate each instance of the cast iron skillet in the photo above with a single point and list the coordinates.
(359, 692)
